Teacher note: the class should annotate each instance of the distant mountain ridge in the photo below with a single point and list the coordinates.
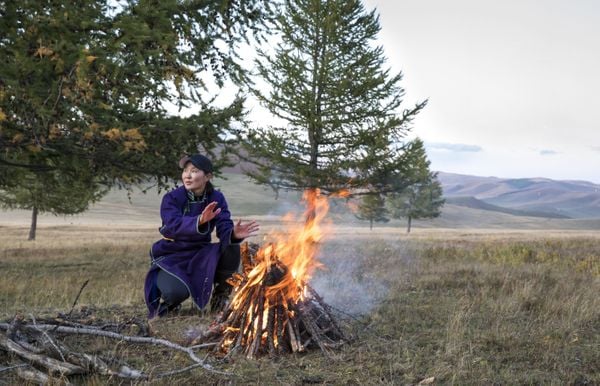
(524, 196)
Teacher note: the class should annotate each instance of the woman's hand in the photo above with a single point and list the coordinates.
(241, 231)
(211, 211)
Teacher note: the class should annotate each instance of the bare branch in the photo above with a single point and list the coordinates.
(126, 338)
(63, 368)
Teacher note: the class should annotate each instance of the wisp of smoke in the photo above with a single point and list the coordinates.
(344, 284)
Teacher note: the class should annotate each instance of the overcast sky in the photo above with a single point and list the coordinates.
(513, 85)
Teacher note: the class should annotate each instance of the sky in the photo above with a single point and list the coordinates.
(513, 86)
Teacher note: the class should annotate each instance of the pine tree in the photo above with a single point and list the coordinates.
(84, 85)
(422, 197)
(51, 192)
(339, 107)
(372, 208)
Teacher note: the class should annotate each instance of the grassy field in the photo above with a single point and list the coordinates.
(462, 306)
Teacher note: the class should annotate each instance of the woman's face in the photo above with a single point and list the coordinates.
(194, 179)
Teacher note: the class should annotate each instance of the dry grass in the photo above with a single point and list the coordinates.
(465, 307)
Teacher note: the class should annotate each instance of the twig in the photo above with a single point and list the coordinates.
(176, 372)
(3, 369)
(203, 345)
(58, 350)
(77, 298)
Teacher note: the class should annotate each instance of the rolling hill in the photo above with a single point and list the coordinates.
(524, 196)
(471, 204)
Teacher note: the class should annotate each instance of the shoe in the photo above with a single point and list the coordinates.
(164, 309)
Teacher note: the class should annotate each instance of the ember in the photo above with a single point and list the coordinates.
(273, 309)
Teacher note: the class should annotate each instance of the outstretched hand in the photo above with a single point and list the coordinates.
(211, 211)
(241, 231)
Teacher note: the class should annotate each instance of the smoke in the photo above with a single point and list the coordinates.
(346, 283)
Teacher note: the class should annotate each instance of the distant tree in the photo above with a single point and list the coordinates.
(372, 208)
(84, 88)
(423, 197)
(52, 192)
(341, 126)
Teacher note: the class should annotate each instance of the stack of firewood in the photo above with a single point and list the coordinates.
(262, 318)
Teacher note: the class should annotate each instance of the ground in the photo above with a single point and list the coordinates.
(447, 306)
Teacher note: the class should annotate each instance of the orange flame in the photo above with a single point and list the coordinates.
(293, 250)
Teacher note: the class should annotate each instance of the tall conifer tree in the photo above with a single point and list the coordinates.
(338, 106)
(423, 196)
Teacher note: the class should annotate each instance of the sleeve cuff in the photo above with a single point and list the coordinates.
(233, 240)
(204, 228)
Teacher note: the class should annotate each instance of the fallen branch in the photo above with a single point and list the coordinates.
(126, 338)
(56, 366)
(48, 338)
(32, 374)
(3, 369)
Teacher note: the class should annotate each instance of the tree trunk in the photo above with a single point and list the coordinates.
(310, 196)
(371, 224)
(409, 222)
(33, 227)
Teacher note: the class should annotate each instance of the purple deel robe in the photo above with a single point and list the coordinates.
(185, 251)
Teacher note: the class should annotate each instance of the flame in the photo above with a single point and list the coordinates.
(344, 193)
(293, 250)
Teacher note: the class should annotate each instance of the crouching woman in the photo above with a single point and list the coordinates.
(184, 263)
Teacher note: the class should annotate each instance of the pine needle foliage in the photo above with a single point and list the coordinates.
(340, 124)
(84, 88)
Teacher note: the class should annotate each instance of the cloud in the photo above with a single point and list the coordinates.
(456, 147)
(548, 152)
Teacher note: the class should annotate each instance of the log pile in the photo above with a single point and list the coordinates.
(271, 313)
(38, 352)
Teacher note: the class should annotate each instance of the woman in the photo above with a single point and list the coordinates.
(185, 262)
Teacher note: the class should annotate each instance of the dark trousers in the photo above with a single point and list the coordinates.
(174, 292)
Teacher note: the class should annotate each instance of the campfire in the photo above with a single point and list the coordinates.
(274, 310)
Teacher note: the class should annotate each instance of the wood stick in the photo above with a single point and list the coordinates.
(29, 347)
(280, 328)
(259, 326)
(292, 335)
(64, 368)
(309, 326)
(77, 298)
(3, 369)
(238, 341)
(270, 328)
(48, 339)
(34, 375)
(328, 310)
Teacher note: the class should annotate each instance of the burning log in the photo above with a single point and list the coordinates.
(271, 312)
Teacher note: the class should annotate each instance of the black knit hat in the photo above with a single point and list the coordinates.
(199, 161)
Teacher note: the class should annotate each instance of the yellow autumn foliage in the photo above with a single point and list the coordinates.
(113, 134)
(17, 138)
(134, 145)
(43, 51)
(54, 132)
(34, 148)
(133, 134)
